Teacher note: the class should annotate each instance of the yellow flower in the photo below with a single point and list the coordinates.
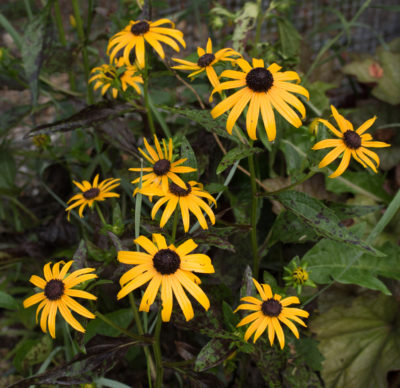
(58, 294)
(169, 268)
(265, 88)
(163, 168)
(350, 143)
(189, 200)
(92, 192)
(107, 76)
(207, 59)
(137, 32)
(270, 311)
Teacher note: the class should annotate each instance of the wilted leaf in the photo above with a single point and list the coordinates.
(360, 343)
(213, 353)
(244, 22)
(235, 154)
(323, 220)
(87, 117)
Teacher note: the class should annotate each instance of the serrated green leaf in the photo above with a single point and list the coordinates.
(323, 220)
(7, 301)
(213, 353)
(235, 154)
(188, 153)
(360, 342)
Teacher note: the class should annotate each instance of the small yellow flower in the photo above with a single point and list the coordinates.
(163, 168)
(134, 35)
(269, 312)
(189, 200)
(41, 141)
(168, 267)
(107, 76)
(351, 143)
(207, 59)
(92, 192)
(264, 88)
(58, 294)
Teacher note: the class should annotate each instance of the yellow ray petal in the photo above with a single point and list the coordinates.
(252, 115)
(279, 331)
(67, 315)
(135, 283)
(77, 307)
(52, 319)
(43, 317)
(169, 209)
(252, 299)
(251, 317)
(238, 109)
(344, 124)
(80, 294)
(182, 299)
(38, 281)
(146, 244)
(47, 272)
(227, 104)
(343, 164)
(366, 125)
(65, 269)
(290, 325)
(159, 240)
(252, 328)
(261, 328)
(193, 289)
(150, 293)
(290, 300)
(327, 143)
(129, 257)
(375, 144)
(268, 117)
(166, 298)
(332, 155)
(36, 298)
(260, 290)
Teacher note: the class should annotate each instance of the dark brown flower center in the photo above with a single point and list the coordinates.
(271, 308)
(205, 60)
(91, 193)
(177, 190)
(54, 289)
(166, 262)
(259, 79)
(352, 139)
(161, 167)
(140, 28)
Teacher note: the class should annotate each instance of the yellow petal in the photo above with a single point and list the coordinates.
(343, 164)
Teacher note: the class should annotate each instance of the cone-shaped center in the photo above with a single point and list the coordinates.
(54, 289)
(259, 79)
(175, 189)
(300, 275)
(166, 262)
(352, 139)
(91, 193)
(205, 60)
(271, 308)
(140, 28)
(161, 167)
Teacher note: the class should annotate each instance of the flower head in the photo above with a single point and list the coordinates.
(137, 32)
(168, 267)
(58, 293)
(163, 168)
(92, 192)
(207, 59)
(264, 88)
(297, 275)
(351, 143)
(269, 312)
(110, 76)
(189, 200)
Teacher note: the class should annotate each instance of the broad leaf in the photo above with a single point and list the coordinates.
(360, 342)
(7, 301)
(235, 154)
(289, 37)
(213, 353)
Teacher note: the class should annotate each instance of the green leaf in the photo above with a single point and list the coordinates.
(230, 319)
(87, 117)
(295, 147)
(7, 301)
(235, 154)
(307, 348)
(328, 259)
(289, 37)
(360, 342)
(188, 153)
(8, 168)
(318, 95)
(203, 117)
(215, 240)
(36, 37)
(323, 220)
(31, 352)
(344, 211)
(213, 353)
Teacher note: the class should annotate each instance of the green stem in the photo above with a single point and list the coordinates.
(157, 353)
(174, 226)
(253, 216)
(146, 97)
(81, 34)
(100, 213)
(28, 9)
(146, 339)
(260, 19)
(60, 28)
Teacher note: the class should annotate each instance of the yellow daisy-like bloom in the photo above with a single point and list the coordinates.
(58, 294)
(92, 192)
(351, 143)
(265, 88)
(270, 311)
(207, 59)
(189, 200)
(163, 169)
(169, 268)
(137, 32)
(107, 76)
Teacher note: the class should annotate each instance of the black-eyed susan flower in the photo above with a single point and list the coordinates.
(207, 59)
(58, 293)
(168, 267)
(110, 76)
(92, 192)
(297, 275)
(269, 312)
(134, 35)
(163, 168)
(265, 89)
(350, 143)
(189, 200)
